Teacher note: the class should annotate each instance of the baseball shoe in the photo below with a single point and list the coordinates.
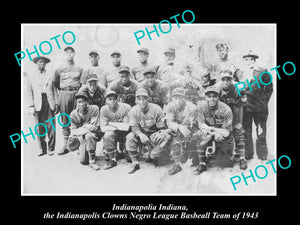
(200, 169)
(134, 167)
(110, 164)
(175, 169)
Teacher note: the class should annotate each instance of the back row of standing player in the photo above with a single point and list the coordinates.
(159, 82)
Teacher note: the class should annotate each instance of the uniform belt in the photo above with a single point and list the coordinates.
(70, 89)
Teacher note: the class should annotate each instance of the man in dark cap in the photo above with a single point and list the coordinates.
(137, 72)
(224, 63)
(228, 95)
(85, 128)
(114, 123)
(257, 107)
(94, 68)
(181, 117)
(145, 120)
(215, 129)
(157, 90)
(67, 82)
(113, 71)
(125, 87)
(42, 103)
(168, 71)
(94, 91)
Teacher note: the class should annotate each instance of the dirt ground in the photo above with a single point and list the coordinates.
(64, 175)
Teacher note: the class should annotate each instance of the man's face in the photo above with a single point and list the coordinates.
(41, 64)
(178, 100)
(94, 58)
(70, 54)
(226, 82)
(111, 101)
(143, 57)
(92, 85)
(81, 103)
(169, 57)
(124, 77)
(249, 62)
(142, 101)
(211, 99)
(116, 59)
(223, 53)
(150, 79)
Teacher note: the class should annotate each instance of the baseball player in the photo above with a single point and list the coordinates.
(113, 71)
(169, 70)
(42, 102)
(94, 68)
(125, 87)
(137, 72)
(224, 63)
(67, 81)
(114, 122)
(147, 119)
(215, 124)
(190, 83)
(85, 130)
(228, 95)
(94, 91)
(257, 108)
(181, 118)
(157, 90)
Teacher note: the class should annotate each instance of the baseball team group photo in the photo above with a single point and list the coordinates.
(163, 117)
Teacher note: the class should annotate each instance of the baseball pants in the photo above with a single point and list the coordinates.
(66, 104)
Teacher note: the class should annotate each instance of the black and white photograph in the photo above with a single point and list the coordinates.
(148, 109)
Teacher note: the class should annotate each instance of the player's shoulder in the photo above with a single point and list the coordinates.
(104, 109)
(223, 107)
(201, 104)
(93, 108)
(191, 106)
(73, 114)
(124, 106)
(154, 107)
(134, 82)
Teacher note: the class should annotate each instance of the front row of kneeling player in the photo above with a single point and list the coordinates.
(181, 131)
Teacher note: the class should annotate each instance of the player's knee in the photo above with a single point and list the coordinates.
(90, 136)
(130, 142)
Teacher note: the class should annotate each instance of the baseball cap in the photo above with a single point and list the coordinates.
(145, 50)
(226, 73)
(69, 47)
(81, 95)
(170, 50)
(141, 92)
(212, 89)
(178, 91)
(91, 77)
(149, 70)
(93, 51)
(110, 92)
(115, 52)
(250, 53)
(124, 69)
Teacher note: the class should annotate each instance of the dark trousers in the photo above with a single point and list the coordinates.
(260, 121)
(66, 104)
(40, 117)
